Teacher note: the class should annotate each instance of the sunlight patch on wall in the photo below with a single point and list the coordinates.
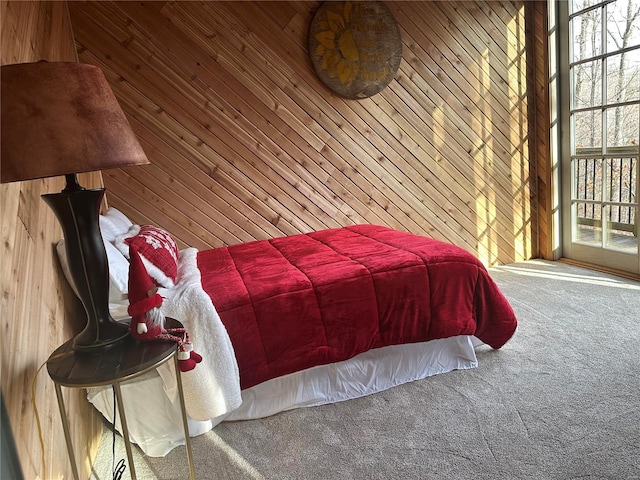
(519, 137)
(488, 249)
(439, 126)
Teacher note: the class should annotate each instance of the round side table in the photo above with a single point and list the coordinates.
(114, 365)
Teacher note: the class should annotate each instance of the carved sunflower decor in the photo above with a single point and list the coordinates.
(355, 47)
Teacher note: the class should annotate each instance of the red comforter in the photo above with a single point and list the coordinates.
(295, 302)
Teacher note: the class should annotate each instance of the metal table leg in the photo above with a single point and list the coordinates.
(125, 429)
(67, 433)
(185, 424)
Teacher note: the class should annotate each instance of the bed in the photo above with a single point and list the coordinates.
(302, 320)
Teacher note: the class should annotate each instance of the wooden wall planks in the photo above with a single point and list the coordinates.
(247, 143)
(539, 71)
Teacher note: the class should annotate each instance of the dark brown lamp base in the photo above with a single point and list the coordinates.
(78, 210)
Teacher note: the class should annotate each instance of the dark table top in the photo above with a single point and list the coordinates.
(123, 360)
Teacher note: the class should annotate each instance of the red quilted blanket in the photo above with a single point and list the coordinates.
(295, 302)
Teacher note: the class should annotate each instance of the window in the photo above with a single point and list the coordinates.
(603, 72)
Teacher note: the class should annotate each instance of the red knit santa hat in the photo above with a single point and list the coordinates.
(143, 297)
(143, 294)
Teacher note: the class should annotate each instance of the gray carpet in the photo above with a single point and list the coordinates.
(560, 401)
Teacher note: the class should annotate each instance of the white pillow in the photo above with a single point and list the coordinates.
(118, 272)
(112, 224)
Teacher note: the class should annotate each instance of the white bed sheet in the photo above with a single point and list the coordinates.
(156, 426)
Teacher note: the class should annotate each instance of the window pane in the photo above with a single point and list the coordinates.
(587, 84)
(623, 77)
(617, 26)
(588, 227)
(588, 179)
(623, 126)
(621, 235)
(577, 5)
(621, 183)
(587, 129)
(587, 35)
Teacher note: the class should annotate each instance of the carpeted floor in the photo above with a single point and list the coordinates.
(560, 401)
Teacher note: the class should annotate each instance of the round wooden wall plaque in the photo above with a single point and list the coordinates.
(355, 47)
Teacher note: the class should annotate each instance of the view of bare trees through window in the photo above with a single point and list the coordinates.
(605, 113)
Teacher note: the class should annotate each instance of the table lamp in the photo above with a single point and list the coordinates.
(62, 118)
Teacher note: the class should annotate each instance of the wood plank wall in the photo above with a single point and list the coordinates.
(38, 309)
(246, 142)
(538, 45)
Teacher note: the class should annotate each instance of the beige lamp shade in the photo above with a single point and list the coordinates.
(59, 119)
